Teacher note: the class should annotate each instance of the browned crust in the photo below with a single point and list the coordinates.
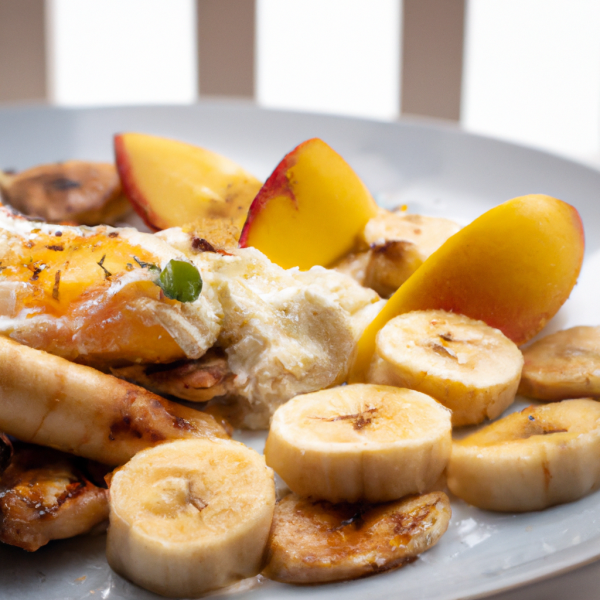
(45, 496)
(318, 542)
(85, 193)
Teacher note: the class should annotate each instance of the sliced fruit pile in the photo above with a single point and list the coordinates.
(365, 461)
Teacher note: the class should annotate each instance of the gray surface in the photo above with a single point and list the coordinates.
(432, 169)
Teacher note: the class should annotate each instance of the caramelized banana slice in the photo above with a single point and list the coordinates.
(563, 365)
(427, 233)
(318, 542)
(468, 366)
(50, 401)
(390, 264)
(392, 247)
(399, 244)
(358, 442)
(45, 496)
(85, 193)
(540, 457)
(190, 516)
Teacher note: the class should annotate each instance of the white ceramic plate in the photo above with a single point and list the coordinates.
(432, 169)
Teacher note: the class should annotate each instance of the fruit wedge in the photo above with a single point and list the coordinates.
(513, 268)
(171, 183)
(311, 209)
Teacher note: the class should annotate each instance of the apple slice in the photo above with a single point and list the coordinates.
(310, 210)
(170, 183)
(513, 268)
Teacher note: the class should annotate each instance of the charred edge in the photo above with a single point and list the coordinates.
(360, 420)
(409, 523)
(395, 564)
(72, 491)
(61, 184)
(447, 337)
(198, 503)
(202, 245)
(36, 273)
(56, 285)
(442, 350)
(56, 248)
(383, 248)
(356, 520)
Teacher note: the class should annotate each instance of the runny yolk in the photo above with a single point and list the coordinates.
(68, 277)
(58, 270)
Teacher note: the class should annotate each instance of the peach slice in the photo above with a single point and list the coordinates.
(171, 183)
(513, 268)
(310, 210)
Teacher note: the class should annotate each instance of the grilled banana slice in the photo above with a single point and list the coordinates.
(359, 442)
(392, 247)
(316, 542)
(427, 233)
(85, 193)
(466, 365)
(190, 516)
(540, 457)
(563, 365)
(50, 401)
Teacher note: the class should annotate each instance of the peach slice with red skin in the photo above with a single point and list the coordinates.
(513, 268)
(170, 183)
(311, 209)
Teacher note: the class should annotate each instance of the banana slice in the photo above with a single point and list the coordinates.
(426, 233)
(190, 516)
(542, 456)
(466, 365)
(391, 264)
(359, 442)
(316, 542)
(563, 365)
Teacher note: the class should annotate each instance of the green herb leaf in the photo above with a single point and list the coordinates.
(146, 265)
(181, 281)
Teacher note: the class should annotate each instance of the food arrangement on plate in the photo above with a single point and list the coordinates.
(260, 302)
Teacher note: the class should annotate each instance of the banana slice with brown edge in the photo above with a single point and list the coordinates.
(426, 233)
(318, 542)
(50, 401)
(85, 193)
(563, 365)
(190, 516)
(359, 443)
(399, 244)
(539, 457)
(469, 367)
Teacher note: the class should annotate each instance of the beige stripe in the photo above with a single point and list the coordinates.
(432, 57)
(22, 50)
(226, 31)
